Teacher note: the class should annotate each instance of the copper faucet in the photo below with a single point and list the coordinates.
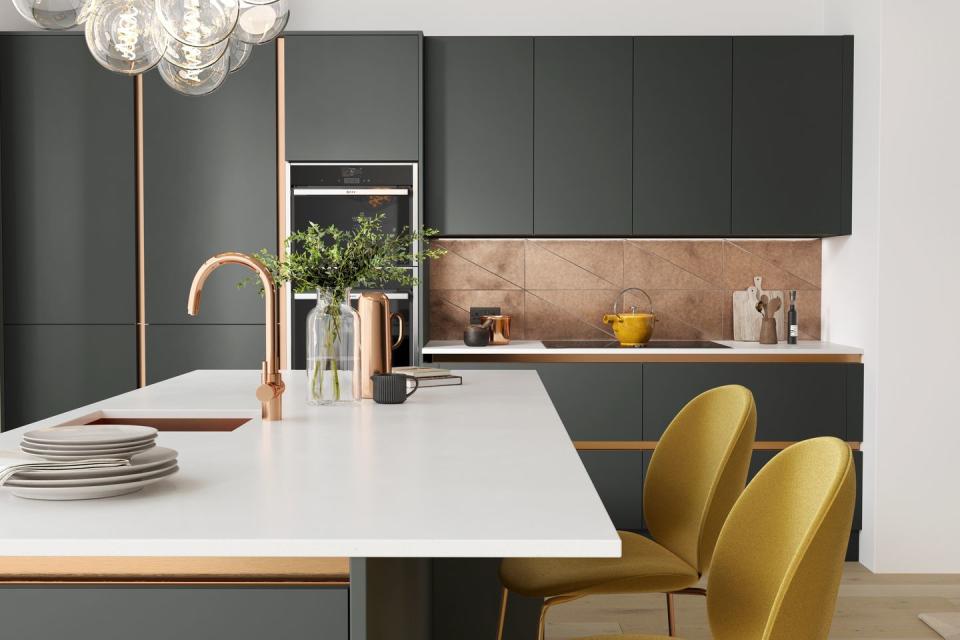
(271, 383)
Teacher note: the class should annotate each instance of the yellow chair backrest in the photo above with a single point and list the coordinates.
(698, 471)
(777, 566)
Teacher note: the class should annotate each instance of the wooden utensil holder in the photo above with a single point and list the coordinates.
(768, 331)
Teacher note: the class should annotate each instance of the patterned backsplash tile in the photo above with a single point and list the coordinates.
(560, 289)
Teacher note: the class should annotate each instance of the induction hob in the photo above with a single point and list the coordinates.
(613, 344)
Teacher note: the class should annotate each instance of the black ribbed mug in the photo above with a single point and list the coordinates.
(391, 388)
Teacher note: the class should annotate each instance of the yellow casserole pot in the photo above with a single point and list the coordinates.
(633, 329)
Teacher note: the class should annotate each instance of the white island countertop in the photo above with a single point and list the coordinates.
(481, 470)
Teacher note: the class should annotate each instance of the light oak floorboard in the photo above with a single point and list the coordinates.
(870, 607)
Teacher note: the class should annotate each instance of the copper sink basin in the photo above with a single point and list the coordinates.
(160, 423)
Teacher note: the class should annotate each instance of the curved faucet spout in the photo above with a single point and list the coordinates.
(272, 384)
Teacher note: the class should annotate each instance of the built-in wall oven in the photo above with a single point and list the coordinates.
(336, 193)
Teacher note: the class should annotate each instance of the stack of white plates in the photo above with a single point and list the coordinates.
(148, 463)
(89, 441)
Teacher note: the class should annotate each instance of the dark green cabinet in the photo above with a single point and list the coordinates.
(173, 350)
(353, 97)
(618, 479)
(68, 198)
(187, 613)
(596, 401)
(210, 187)
(791, 121)
(794, 401)
(55, 368)
(583, 114)
(681, 136)
(478, 138)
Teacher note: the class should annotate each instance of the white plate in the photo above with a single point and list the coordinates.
(85, 456)
(40, 450)
(91, 434)
(86, 493)
(66, 448)
(93, 482)
(150, 459)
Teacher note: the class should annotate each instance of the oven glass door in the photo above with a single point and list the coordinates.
(400, 302)
(339, 207)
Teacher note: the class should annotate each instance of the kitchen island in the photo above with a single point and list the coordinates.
(484, 470)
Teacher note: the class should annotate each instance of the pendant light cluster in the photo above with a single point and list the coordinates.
(194, 44)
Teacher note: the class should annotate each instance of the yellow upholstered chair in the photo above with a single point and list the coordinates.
(777, 567)
(697, 471)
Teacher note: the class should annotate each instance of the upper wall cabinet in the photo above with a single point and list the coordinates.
(478, 114)
(353, 97)
(792, 123)
(681, 136)
(210, 186)
(69, 208)
(583, 104)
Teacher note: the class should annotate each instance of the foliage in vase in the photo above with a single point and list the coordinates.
(331, 261)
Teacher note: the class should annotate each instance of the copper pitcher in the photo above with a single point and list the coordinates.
(376, 342)
(499, 328)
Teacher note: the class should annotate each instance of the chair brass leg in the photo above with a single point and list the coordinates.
(549, 602)
(503, 613)
(671, 616)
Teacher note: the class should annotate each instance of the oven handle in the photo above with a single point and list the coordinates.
(354, 296)
(372, 191)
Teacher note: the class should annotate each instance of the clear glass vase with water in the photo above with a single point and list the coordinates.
(331, 355)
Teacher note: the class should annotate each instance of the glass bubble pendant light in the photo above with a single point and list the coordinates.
(188, 56)
(196, 82)
(200, 23)
(260, 22)
(125, 36)
(240, 53)
(50, 14)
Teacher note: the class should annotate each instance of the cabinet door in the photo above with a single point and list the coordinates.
(788, 136)
(186, 613)
(210, 186)
(583, 119)
(478, 115)
(618, 479)
(68, 184)
(55, 368)
(173, 350)
(794, 401)
(353, 97)
(596, 401)
(681, 129)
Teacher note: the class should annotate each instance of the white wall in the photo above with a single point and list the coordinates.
(918, 430)
(534, 17)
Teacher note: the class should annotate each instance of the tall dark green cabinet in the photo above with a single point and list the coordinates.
(68, 227)
(210, 186)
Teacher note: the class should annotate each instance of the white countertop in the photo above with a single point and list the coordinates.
(481, 470)
(534, 347)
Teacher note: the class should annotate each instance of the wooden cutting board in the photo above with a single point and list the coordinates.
(746, 318)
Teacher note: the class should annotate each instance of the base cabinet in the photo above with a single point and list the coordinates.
(185, 613)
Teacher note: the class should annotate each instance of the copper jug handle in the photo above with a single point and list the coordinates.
(399, 318)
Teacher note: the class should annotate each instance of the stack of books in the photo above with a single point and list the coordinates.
(430, 377)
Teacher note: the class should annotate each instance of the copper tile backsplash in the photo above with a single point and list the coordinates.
(560, 289)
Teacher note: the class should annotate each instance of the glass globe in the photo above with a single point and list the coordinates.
(49, 14)
(126, 36)
(260, 23)
(200, 23)
(187, 56)
(239, 53)
(195, 82)
(87, 11)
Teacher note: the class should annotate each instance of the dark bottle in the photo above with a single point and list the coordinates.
(793, 327)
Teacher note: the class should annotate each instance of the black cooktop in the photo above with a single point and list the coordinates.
(613, 344)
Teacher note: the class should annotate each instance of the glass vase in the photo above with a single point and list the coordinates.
(331, 358)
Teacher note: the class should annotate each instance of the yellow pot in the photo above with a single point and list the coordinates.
(631, 329)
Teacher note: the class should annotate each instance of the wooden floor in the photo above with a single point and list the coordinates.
(870, 606)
